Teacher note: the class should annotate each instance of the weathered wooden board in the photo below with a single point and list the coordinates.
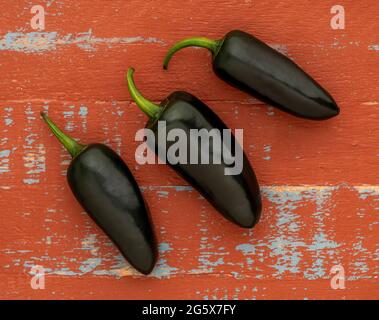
(319, 180)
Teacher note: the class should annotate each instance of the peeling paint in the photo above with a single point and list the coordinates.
(120, 268)
(288, 251)
(89, 265)
(37, 42)
(267, 150)
(374, 47)
(164, 247)
(366, 191)
(160, 188)
(34, 152)
(83, 111)
(5, 150)
(246, 248)
(5, 153)
(370, 103)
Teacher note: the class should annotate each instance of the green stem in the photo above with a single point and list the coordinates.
(212, 45)
(149, 108)
(73, 147)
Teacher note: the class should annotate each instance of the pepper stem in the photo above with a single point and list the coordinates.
(202, 42)
(148, 107)
(73, 147)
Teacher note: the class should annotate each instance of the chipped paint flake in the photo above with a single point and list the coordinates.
(374, 47)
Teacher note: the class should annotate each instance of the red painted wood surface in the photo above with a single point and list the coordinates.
(319, 179)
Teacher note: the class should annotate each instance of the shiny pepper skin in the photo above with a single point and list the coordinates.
(249, 64)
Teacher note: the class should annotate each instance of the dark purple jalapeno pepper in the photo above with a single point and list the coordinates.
(107, 190)
(249, 64)
(236, 196)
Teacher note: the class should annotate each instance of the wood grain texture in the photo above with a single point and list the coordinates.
(319, 180)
